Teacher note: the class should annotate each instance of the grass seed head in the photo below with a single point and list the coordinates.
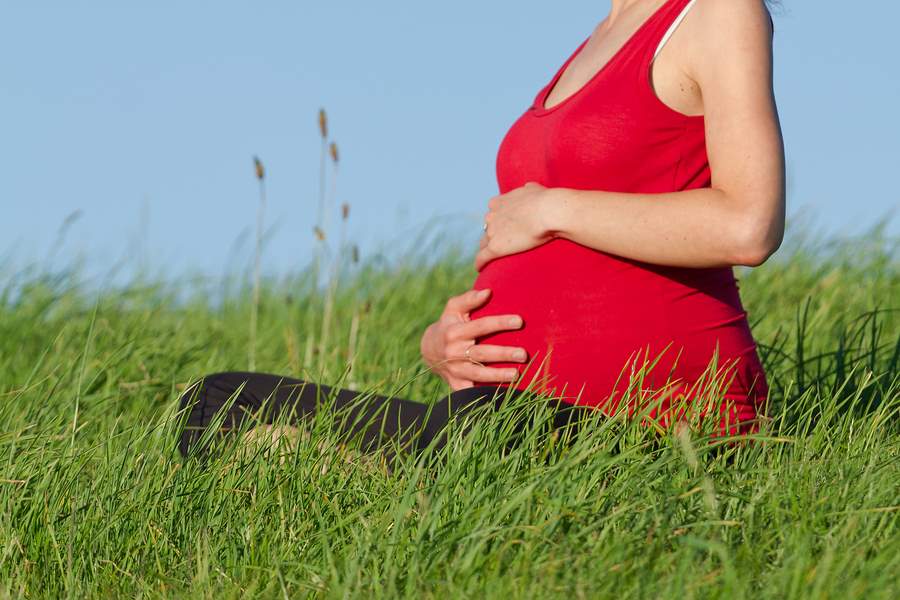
(320, 235)
(323, 123)
(260, 170)
(354, 253)
(345, 211)
(334, 152)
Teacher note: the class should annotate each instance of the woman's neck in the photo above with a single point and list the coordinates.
(620, 7)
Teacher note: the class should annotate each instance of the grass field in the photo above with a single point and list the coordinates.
(97, 503)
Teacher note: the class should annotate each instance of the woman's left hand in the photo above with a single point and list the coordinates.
(516, 221)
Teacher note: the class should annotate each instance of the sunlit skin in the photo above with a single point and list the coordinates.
(739, 220)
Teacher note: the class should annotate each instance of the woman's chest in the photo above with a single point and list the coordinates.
(612, 146)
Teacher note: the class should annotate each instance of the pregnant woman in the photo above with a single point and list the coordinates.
(647, 167)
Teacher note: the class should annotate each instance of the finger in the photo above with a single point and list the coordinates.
(475, 328)
(467, 301)
(487, 353)
(472, 372)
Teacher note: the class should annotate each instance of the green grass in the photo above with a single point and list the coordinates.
(96, 502)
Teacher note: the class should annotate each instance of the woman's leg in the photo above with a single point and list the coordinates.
(377, 420)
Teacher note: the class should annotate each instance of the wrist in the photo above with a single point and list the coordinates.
(557, 208)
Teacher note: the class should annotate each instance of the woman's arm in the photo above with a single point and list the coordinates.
(739, 220)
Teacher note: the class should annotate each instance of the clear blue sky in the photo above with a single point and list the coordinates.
(146, 117)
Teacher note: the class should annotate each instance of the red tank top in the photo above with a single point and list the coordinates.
(591, 318)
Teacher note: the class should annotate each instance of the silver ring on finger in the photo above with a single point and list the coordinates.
(484, 226)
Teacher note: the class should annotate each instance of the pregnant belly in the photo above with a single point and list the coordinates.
(594, 321)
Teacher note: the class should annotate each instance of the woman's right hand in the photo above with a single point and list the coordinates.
(445, 342)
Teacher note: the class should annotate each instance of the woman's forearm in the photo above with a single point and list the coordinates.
(693, 228)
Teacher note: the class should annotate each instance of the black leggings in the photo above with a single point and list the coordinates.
(380, 422)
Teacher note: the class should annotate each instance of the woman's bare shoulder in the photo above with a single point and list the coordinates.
(721, 20)
(727, 34)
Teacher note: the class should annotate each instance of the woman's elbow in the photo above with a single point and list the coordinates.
(757, 240)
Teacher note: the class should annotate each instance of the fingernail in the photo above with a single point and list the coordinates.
(515, 321)
(520, 355)
(512, 373)
(483, 292)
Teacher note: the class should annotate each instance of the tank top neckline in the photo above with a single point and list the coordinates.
(538, 109)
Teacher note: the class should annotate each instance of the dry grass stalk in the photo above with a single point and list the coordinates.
(290, 340)
(257, 266)
(351, 349)
(320, 218)
(319, 232)
(334, 270)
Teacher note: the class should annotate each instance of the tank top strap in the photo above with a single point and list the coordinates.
(659, 28)
(633, 62)
(674, 25)
(661, 25)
